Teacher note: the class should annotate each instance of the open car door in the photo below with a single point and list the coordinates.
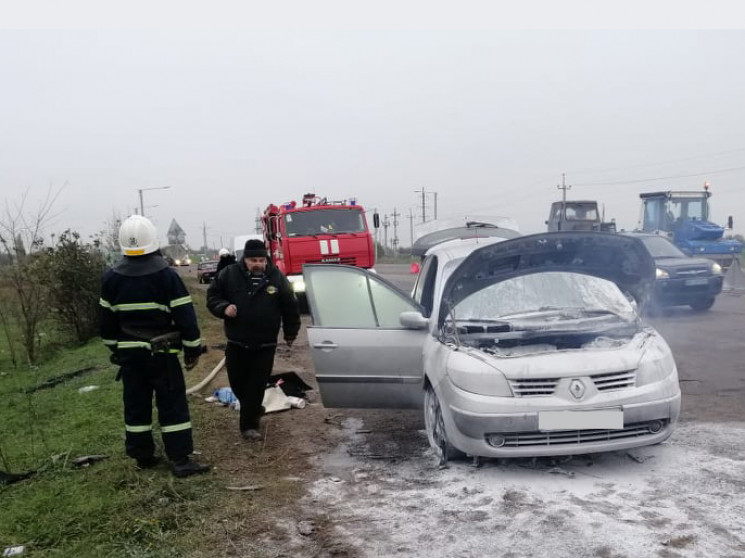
(363, 356)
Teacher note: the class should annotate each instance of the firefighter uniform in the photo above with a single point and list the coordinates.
(142, 299)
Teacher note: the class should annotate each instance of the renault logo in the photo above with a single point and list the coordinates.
(577, 389)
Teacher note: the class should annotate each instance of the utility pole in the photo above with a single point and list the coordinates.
(563, 187)
(395, 231)
(386, 224)
(204, 235)
(257, 221)
(140, 190)
(411, 226)
(424, 204)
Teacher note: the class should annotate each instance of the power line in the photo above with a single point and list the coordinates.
(673, 161)
(638, 180)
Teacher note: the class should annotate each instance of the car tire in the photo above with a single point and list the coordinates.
(703, 305)
(435, 426)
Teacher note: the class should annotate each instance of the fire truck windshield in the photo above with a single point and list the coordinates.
(324, 221)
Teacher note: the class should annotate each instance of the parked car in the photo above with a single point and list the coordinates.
(523, 347)
(206, 271)
(682, 280)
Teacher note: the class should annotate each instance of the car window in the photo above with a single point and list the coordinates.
(388, 305)
(424, 290)
(348, 298)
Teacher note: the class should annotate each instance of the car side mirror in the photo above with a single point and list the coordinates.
(376, 220)
(730, 224)
(413, 320)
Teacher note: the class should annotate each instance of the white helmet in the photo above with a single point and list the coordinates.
(138, 236)
(223, 252)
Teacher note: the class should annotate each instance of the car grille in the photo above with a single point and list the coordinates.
(528, 388)
(690, 272)
(578, 437)
(614, 380)
(547, 386)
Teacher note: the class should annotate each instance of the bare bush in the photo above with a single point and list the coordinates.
(71, 272)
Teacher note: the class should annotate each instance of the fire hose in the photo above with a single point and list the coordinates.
(208, 378)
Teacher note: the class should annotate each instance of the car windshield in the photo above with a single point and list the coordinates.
(545, 296)
(208, 265)
(324, 221)
(661, 247)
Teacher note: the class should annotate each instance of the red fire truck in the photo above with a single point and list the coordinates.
(317, 231)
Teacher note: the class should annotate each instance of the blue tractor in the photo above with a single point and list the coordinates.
(684, 217)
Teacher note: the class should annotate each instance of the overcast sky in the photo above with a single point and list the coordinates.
(489, 120)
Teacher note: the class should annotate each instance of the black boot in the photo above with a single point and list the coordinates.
(147, 462)
(186, 467)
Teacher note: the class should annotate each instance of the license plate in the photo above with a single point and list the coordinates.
(605, 419)
(700, 281)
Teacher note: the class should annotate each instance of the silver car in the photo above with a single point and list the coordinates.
(530, 346)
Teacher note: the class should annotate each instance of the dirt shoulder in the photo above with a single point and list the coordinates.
(259, 512)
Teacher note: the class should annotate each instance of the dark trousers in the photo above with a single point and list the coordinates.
(160, 374)
(248, 372)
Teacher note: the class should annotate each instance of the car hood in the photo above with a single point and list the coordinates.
(621, 259)
(682, 262)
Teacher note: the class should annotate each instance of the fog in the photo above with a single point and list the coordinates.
(483, 121)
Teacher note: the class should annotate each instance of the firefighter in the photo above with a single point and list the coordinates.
(226, 258)
(147, 317)
(254, 299)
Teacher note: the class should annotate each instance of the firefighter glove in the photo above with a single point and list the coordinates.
(191, 357)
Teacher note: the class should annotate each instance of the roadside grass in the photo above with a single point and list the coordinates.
(109, 508)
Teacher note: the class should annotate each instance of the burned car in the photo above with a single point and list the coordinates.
(530, 346)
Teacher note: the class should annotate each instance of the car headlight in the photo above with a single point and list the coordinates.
(178, 262)
(476, 376)
(716, 269)
(656, 364)
(662, 274)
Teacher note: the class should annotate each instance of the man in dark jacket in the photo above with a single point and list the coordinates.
(146, 318)
(254, 299)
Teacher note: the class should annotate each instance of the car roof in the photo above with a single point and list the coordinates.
(460, 247)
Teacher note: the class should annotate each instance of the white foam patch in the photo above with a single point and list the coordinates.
(685, 497)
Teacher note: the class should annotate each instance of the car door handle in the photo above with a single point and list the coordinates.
(326, 345)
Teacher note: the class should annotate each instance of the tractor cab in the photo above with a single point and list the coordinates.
(684, 217)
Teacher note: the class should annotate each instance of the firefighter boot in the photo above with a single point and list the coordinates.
(186, 467)
(147, 462)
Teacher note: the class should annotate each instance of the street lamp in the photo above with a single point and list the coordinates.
(140, 190)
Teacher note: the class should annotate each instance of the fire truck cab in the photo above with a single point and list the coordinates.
(317, 231)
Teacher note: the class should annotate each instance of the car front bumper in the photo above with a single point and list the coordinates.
(648, 419)
(674, 292)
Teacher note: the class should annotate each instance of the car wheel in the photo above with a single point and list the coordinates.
(435, 426)
(703, 306)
